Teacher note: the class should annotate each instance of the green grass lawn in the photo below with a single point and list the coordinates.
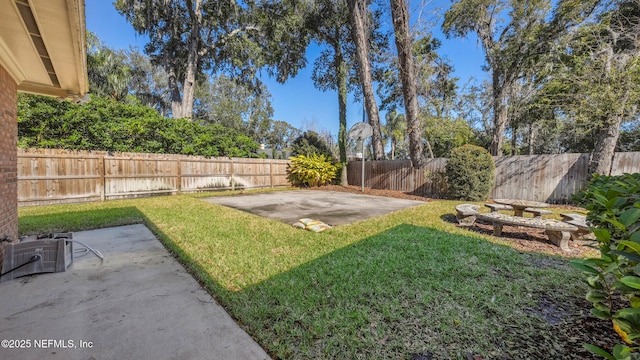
(391, 287)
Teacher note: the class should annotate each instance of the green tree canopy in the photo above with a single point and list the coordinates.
(446, 134)
(282, 135)
(310, 143)
(120, 74)
(597, 76)
(108, 125)
(514, 35)
(107, 69)
(188, 38)
(232, 104)
(395, 130)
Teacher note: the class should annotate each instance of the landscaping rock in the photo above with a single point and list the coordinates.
(312, 225)
(466, 214)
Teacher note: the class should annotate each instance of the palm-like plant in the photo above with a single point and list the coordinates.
(107, 72)
(395, 130)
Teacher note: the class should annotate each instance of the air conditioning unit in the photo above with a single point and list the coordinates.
(37, 254)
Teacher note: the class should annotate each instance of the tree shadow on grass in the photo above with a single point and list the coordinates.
(450, 218)
(405, 291)
(413, 290)
(68, 221)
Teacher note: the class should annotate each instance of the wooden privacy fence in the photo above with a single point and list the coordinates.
(51, 176)
(549, 178)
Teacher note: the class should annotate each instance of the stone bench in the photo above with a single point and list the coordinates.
(573, 216)
(538, 212)
(496, 207)
(580, 221)
(535, 211)
(466, 214)
(557, 231)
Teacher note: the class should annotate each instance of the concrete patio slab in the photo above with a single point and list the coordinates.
(138, 303)
(331, 207)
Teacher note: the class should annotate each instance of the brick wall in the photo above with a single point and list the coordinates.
(8, 159)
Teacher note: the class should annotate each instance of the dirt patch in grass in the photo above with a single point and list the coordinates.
(570, 325)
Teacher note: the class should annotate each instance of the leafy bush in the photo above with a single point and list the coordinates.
(614, 213)
(446, 134)
(311, 143)
(313, 170)
(470, 173)
(109, 125)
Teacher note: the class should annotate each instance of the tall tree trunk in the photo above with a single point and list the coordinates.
(393, 149)
(341, 82)
(499, 125)
(497, 135)
(174, 89)
(514, 138)
(429, 150)
(400, 16)
(604, 150)
(533, 136)
(357, 14)
(188, 87)
(499, 114)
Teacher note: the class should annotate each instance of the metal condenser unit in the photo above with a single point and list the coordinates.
(37, 254)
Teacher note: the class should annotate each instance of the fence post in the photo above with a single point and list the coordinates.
(233, 183)
(179, 184)
(271, 174)
(102, 169)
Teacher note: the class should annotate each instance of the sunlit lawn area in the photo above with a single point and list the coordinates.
(390, 287)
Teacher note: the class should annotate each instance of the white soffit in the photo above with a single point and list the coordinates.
(42, 46)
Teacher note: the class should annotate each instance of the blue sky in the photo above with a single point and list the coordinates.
(297, 101)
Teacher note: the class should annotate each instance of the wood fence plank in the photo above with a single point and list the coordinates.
(53, 176)
(49, 176)
(551, 178)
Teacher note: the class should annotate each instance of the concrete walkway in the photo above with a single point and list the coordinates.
(139, 303)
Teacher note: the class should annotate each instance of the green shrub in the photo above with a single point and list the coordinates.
(470, 173)
(310, 143)
(614, 214)
(313, 170)
(109, 125)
